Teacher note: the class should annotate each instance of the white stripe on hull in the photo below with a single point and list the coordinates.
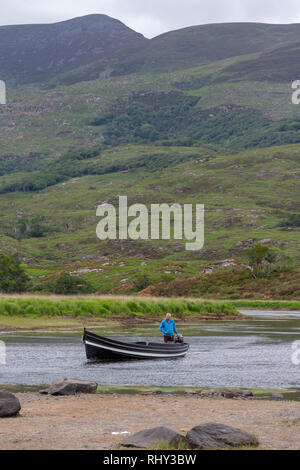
(134, 353)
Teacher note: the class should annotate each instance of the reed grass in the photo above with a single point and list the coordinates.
(73, 306)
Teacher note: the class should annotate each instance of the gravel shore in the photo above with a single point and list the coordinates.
(91, 421)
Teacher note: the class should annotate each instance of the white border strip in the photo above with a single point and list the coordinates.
(134, 353)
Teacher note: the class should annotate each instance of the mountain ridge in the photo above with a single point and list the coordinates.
(94, 46)
(38, 52)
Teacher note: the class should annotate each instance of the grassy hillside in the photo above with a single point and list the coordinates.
(223, 133)
(278, 65)
(249, 197)
(228, 114)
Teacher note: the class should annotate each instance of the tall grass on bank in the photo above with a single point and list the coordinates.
(267, 304)
(104, 307)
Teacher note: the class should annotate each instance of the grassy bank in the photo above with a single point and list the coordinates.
(267, 304)
(31, 312)
(111, 307)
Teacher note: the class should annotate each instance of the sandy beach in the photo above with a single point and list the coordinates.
(94, 421)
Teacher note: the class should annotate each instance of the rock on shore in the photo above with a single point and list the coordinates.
(150, 437)
(70, 387)
(9, 404)
(214, 435)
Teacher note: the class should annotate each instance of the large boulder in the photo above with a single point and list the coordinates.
(148, 438)
(9, 404)
(213, 435)
(70, 387)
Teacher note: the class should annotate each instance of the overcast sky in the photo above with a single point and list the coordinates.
(153, 17)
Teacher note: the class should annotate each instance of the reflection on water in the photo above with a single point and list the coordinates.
(254, 353)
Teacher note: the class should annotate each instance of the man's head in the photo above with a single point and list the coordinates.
(168, 316)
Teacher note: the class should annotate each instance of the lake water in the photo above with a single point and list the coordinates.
(254, 353)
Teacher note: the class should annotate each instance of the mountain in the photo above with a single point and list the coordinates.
(39, 52)
(196, 45)
(191, 47)
(94, 46)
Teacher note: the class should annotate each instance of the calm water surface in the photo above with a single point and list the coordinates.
(254, 353)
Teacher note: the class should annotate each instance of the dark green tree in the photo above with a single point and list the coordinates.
(67, 284)
(292, 221)
(261, 258)
(13, 277)
(141, 281)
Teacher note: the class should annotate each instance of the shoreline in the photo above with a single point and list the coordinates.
(289, 394)
(98, 421)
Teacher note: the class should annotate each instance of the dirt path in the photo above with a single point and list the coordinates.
(88, 421)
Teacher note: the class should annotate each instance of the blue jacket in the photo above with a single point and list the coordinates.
(168, 328)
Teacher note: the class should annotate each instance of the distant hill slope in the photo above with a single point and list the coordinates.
(279, 65)
(193, 46)
(39, 52)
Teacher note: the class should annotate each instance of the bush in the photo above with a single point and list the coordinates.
(261, 260)
(13, 277)
(141, 282)
(292, 221)
(67, 284)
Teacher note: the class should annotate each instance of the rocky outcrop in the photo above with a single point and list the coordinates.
(148, 438)
(70, 387)
(213, 435)
(9, 404)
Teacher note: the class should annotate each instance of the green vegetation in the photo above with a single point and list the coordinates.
(267, 304)
(263, 260)
(109, 308)
(63, 168)
(259, 292)
(66, 284)
(292, 221)
(141, 282)
(247, 196)
(12, 275)
(174, 118)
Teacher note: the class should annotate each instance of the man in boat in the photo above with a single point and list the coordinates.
(168, 328)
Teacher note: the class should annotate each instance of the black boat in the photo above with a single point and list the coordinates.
(101, 348)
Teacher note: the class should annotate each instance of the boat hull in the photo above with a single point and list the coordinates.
(101, 348)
